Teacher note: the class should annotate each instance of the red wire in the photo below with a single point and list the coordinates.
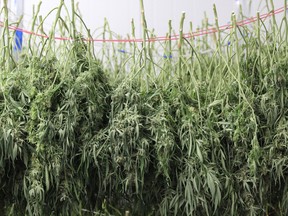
(229, 26)
(161, 38)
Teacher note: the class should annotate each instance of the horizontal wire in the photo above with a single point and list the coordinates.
(155, 39)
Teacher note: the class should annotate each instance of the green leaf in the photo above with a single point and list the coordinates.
(211, 184)
(215, 103)
(199, 154)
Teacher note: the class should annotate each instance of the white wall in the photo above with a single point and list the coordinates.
(120, 12)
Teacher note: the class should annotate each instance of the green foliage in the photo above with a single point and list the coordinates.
(202, 134)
